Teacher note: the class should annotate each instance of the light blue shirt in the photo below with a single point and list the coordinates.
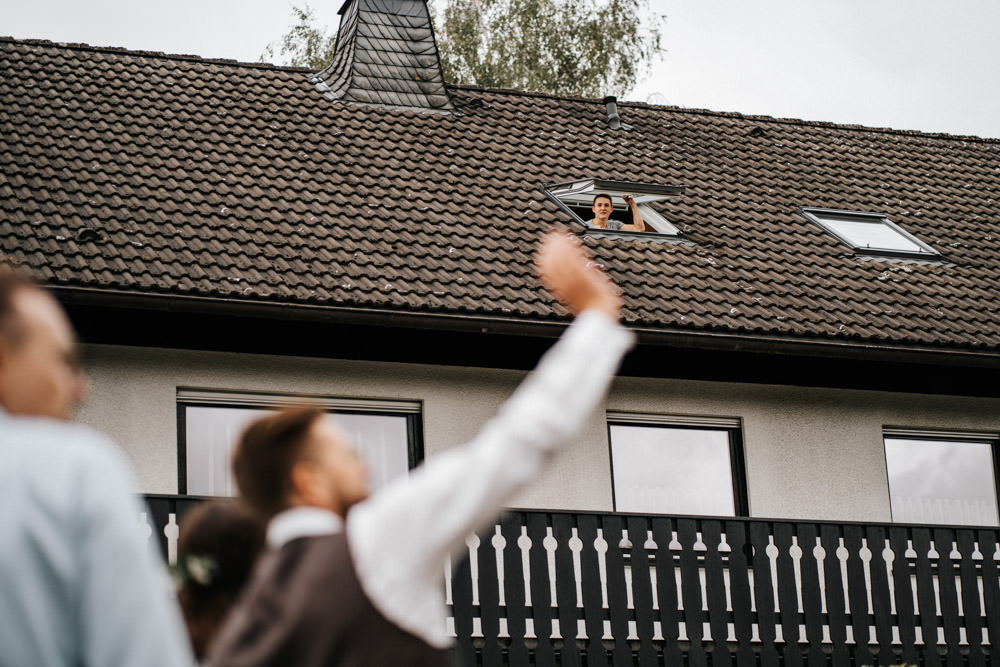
(78, 583)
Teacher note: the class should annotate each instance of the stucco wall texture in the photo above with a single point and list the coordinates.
(810, 453)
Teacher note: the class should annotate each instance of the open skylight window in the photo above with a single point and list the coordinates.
(869, 233)
(577, 198)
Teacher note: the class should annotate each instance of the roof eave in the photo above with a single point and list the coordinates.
(461, 322)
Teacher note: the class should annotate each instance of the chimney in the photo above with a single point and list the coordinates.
(611, 104)
(385, 56)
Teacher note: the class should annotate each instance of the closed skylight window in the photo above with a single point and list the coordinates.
(869, 233)
(577, 199)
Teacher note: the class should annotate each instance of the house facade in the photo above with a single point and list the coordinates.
(816, 311)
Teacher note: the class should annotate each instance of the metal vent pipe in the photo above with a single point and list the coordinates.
(611, 104)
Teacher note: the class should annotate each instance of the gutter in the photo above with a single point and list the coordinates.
(647, 336)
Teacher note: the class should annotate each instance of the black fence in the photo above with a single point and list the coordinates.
(561, 588)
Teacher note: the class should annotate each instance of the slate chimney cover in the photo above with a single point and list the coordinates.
(385, 55)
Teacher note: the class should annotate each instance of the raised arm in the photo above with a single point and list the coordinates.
(408, 528)
(638, 224)
(573, 278)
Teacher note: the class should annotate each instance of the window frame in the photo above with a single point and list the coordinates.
(411, 410)
(816, 216)
(942, 435)
(596, 186)
(733, 426)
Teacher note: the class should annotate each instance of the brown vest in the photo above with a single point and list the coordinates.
(306, 608)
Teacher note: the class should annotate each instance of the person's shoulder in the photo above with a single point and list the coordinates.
(41, 429)
(73, 466)
(62, 439)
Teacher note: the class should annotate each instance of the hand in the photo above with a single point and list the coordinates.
(629, 200)
(572, 277)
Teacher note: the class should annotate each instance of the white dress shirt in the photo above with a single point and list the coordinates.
(78, 583)
(400, 537)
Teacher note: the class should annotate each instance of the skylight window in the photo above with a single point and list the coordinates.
(577, 199)
(869, 233)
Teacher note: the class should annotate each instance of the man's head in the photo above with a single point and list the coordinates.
(602, 207)
(39, 371)
(298, 458)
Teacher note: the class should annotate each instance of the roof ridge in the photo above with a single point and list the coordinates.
(81, 46)
(523, 93)
(783, 120)
(733, 114)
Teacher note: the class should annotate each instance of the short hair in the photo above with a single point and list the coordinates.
(12, 280)
(265, 455)
(603, 196)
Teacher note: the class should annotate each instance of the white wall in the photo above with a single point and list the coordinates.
(810, 453)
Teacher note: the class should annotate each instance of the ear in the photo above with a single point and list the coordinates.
(5, 353)
(8, 346)
(4, 364)
(305, 483)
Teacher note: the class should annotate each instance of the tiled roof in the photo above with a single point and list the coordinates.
(154, 174)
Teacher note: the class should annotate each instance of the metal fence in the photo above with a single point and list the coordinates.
(569, 588)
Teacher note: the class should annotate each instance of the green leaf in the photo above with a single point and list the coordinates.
(568, 47)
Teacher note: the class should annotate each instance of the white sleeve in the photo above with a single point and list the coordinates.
(401, 536)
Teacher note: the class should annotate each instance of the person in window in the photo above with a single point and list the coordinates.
(602, 209)
(352, 579)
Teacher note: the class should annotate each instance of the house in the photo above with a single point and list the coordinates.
(819, 335)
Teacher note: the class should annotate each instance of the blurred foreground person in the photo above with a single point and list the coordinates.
(78, 585)
(351, 580)
(218, 546)
(39, 371)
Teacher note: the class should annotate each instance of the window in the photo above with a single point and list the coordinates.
(942, 478)
(386, 433)
(869, 233)
(677, 465)
(577, 198)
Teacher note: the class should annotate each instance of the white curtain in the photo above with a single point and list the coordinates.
(212, 432)
(670, 470)
(941, 482)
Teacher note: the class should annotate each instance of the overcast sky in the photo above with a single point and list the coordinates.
(907, 64)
